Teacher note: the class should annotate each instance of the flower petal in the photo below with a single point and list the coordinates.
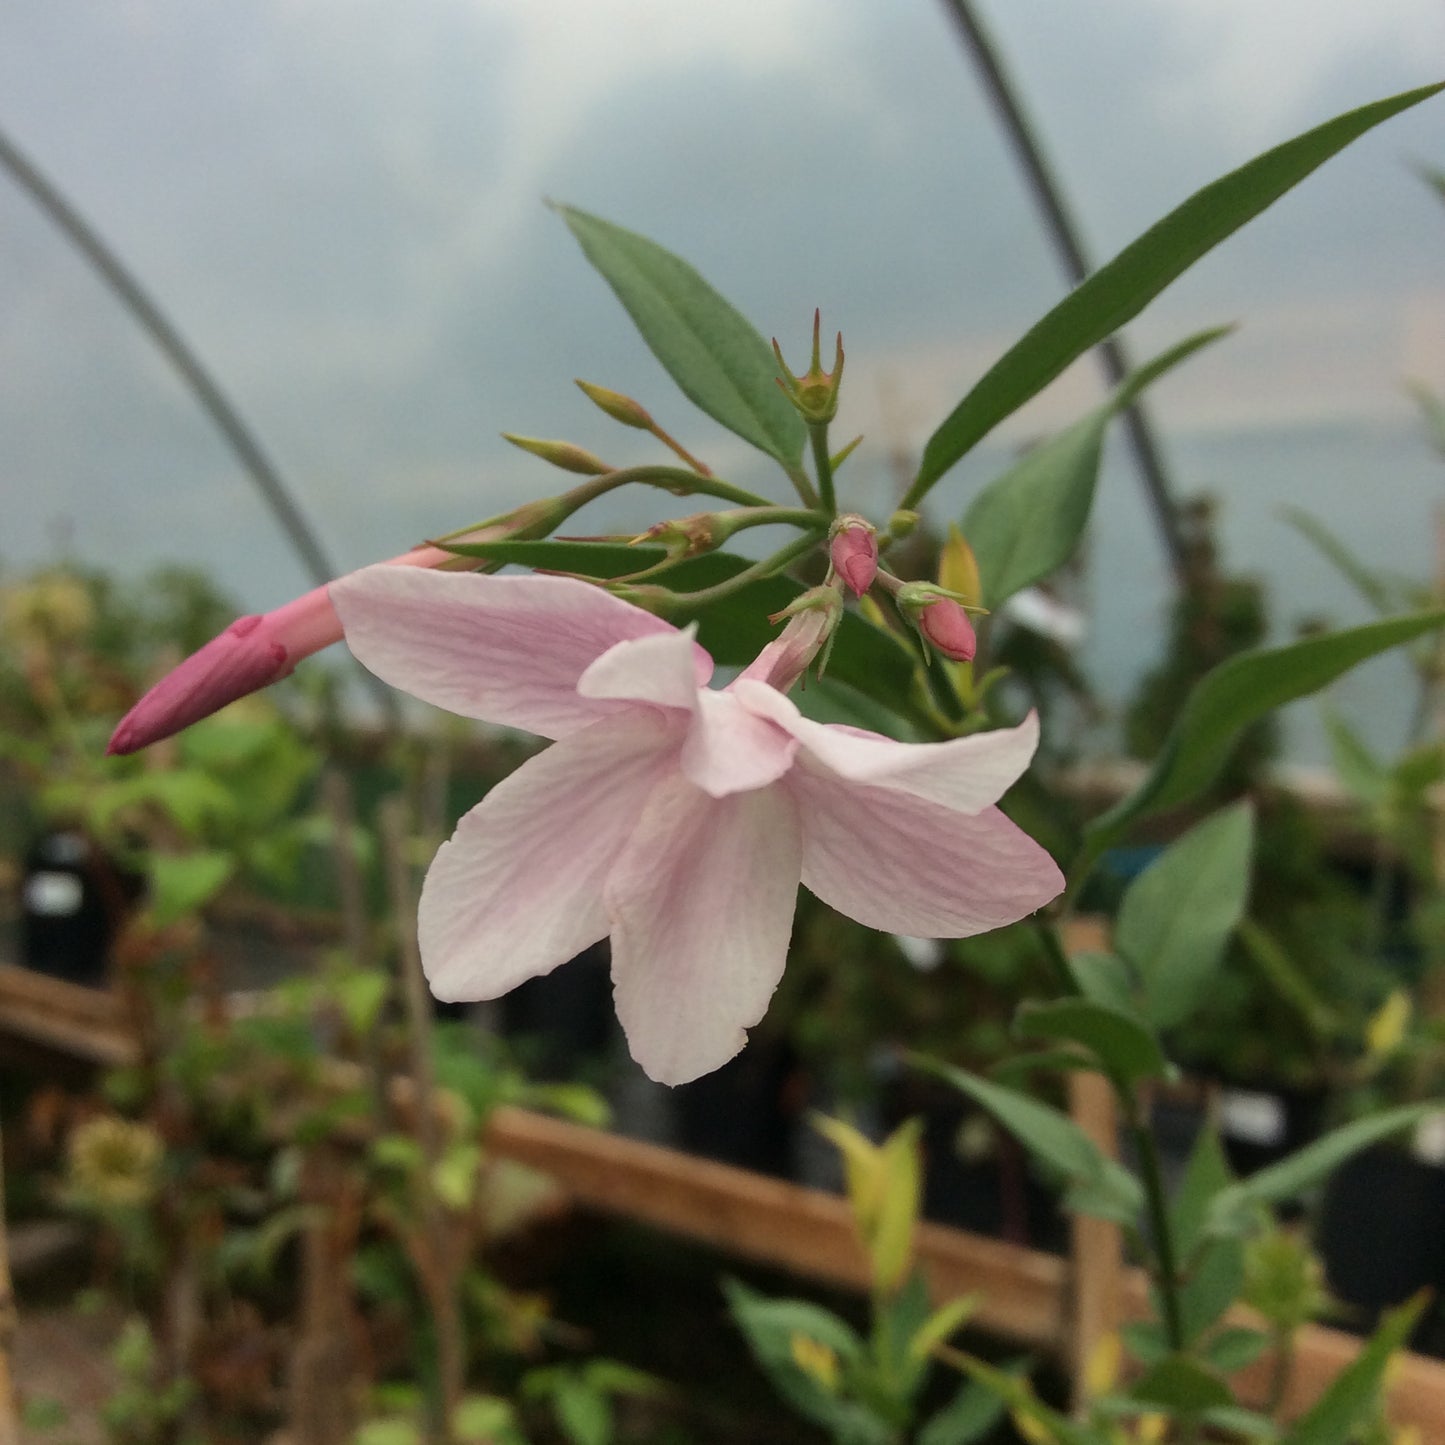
(701, 903)
(905, 865)
(509, 650)
(666, 668)
(730, 749)
(964, 774)
(518, 889)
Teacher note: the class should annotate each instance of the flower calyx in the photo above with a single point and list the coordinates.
(853, 551)
(812, 621)
(815, 392)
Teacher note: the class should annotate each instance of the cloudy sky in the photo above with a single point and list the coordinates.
(339, 203)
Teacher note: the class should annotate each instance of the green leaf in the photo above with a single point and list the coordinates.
(970, 1415)
(181, 884)
(1182, 1386)
(1236, 693)
(587, 559)
(1146, 1340)
(1233, 1206)
(1206, 1174)
(707, 346)
(1026, 523)
(1106, 979)
(481, 1418)
(1235, 1420)
(1354, 1394)
(1118, 291)
(1125, 1048)
(1236, 1348)
(1213, 1284)
(1178, 914)
(1050, 1135)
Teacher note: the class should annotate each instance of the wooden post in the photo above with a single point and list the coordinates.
(1096, 1246)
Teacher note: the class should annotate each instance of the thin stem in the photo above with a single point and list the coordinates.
(823, 465)
(768, 567)
(1167, 1271)
(804, 488)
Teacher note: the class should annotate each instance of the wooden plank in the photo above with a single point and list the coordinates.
(86, 1023)
(804, 1230)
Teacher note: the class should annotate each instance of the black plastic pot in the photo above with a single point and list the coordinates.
(1381, 1233)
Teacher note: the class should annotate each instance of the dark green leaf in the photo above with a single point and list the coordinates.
(705, 344)
(1146, 1340)
(1236, 693)
(588, 559)
(1182, 1386)
(1290, 1177)
(1125, 1048)
(1206, 1174)
(1121, 289)
(1236, 1420)
(1050, 1135)
(1027, 522)
(1355, 1392)
(1178, 914)
(1212, 1285)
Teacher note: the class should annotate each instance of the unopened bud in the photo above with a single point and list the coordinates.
(811, 620)
(853, 551)
(939, 618)
(617, 406)
(567, 455)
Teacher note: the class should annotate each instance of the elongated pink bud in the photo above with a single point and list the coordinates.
(946, 626)
(252, 653)
(811, 620)
(853, 551)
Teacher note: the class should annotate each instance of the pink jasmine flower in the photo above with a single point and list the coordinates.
(676, 818)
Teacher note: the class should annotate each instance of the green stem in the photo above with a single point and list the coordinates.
(768, 567)
(823, 465)
(804, 488)
(1167, 1271)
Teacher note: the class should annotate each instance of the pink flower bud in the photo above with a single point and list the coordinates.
(946, 626)
(854, 553)
(811, 621)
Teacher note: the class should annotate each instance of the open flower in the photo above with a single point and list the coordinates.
(676, 818)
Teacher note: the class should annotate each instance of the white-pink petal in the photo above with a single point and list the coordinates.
(508, 650)
(965, 774)
(730, 749)
(518, 889)
(902, 864)
(666, 668)
(701, 902)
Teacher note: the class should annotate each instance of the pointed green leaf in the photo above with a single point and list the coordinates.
(1236, 693)
(706, 345)
(969, 1416)
(1108, 1189)
(1182, 1386)
(1355, 765)
(1354, 1393)
(1206, 1174)
(1236, 1348)
(1106, 979)
(1178, 914)
(1026, 523)
(1124, 1047)
(1213, 1284)
(1118, 291)
(1233, 1206)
